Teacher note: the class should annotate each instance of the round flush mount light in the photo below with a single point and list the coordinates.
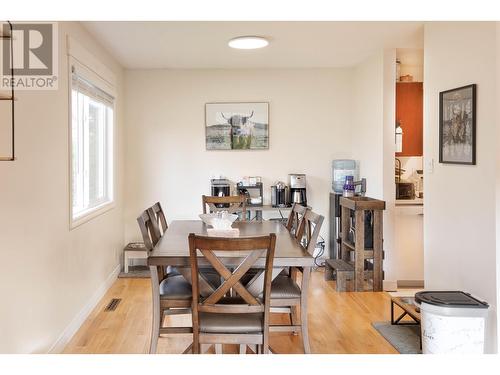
(248, 42)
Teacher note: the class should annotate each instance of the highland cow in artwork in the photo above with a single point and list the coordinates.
(237, 126)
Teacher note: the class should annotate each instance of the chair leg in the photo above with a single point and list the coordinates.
(294, 317)
(218, 348)
(125, 261)
(196, 343)
(303, 310)
(157, 314)
(243, 349)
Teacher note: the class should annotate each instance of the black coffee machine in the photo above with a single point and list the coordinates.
(298, 188)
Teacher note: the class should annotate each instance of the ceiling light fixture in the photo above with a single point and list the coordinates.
(248, 42)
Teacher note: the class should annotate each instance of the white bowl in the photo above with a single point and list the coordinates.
(209, 218)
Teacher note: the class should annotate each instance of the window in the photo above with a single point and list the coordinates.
(91, 147)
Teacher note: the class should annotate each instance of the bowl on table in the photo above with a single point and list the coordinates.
(219, 220)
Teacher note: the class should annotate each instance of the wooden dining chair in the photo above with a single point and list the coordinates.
(232, 204)
(159, 217)
(159, 227)
(286, 294)
(240, 318)
(295, 217)
(174, 291)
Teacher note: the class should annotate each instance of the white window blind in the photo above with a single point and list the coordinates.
(92, 111)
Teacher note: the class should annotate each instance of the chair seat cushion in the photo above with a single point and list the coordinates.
(175, 287)
(284, 287)
(231, 323)
(212, 276)
(172, 271)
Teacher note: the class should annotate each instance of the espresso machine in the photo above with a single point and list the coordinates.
(298, 188)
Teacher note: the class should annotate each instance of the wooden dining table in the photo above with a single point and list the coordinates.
(173, 250)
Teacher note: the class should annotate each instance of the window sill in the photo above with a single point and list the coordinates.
(93, 213)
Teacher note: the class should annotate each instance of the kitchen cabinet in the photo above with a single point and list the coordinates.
(409, 242)
(409, 112)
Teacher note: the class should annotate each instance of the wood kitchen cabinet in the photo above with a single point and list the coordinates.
(409, 112)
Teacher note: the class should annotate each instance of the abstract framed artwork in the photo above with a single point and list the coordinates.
(457, 125)
(237, 126)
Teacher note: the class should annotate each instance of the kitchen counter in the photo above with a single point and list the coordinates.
(410, 202)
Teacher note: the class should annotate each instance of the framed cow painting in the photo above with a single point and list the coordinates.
(237, 126)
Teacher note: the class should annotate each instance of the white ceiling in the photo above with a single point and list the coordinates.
(198, 45)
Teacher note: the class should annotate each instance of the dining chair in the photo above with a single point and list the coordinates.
(175, 291)
(159, 217)
(241, 318)
(231, 203)
(286, 294)
(159, 227)
(295, 217)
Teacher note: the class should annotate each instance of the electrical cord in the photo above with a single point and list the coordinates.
(321, 245)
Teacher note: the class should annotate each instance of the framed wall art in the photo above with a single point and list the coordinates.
(237, 126)
(457, 125)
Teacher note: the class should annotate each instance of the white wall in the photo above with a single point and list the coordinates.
(310, 125)
(497, 184)
(49, 273)
(373, 135)
(368, 112)
(459, 201)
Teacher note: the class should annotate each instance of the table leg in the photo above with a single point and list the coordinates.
(303, 309)
(205, 288)
(155, 328)
(256, 285)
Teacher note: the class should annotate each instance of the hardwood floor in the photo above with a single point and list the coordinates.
(338, 323)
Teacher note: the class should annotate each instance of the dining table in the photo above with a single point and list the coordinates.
(173, 250)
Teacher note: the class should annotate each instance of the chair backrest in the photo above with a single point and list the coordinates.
(295, 218)
(309, 229)
(149, 234)
(158, 217)
(253, 248)
(233, 203)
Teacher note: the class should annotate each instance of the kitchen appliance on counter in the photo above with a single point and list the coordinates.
(252, 191)
(298, 188)
(220, 187)
(405, 190)
(280, 195)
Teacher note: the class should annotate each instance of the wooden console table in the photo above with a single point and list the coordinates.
(365, 267)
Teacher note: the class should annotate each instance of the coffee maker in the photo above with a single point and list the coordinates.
(298, 188)
(220, 187)
(280, 195)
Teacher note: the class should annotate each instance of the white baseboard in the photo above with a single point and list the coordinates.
(78, 320)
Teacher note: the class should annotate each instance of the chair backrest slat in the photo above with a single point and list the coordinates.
(309, 229)
(234, 203)
(149, 235)
(158, 216)
(295, 218)
(253, 248)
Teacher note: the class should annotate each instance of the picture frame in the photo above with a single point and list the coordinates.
(457, 125)
(237, 126)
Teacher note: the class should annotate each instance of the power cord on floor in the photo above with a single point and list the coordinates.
(321, 246)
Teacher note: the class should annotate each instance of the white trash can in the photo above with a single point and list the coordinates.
(451, 322)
